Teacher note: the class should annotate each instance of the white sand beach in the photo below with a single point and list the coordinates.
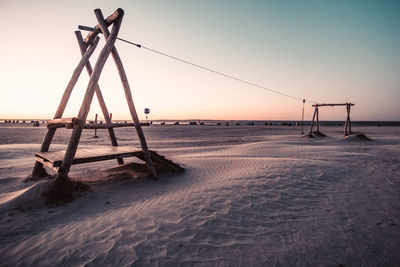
(249, 196)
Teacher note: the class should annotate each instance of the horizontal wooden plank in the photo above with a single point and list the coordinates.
(96, 125)
(54, 159)
(332, 105)
(110, 125)
(63, 121)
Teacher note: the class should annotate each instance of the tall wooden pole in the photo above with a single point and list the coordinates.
(128, 95)
(347, 120)
(63, 103)
(99, 95)
(347, 125)
(312, 123)
(302, 118)
(316, 109)
(95, 130)
(84, 110)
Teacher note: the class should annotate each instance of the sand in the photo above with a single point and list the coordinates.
(250, 196)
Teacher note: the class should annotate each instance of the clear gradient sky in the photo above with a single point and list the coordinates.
(324, 51)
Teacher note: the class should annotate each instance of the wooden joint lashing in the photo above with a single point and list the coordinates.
(108, 21)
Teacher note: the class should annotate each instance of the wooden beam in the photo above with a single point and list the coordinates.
(108, 21)
(99, 95)
(110, 125)
(64, 121)
(84, 110)
(77, 72)
(55, 159)
(331, 105)
(128, 95)
(97, 125)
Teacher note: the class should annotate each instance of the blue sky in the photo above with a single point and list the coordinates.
(323, 51)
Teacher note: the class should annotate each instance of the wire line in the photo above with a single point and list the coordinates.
(204, 68)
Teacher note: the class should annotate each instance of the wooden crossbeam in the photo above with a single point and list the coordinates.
(96, 125)
(54, 159)
(332, 105)
(110, 125)
(64, 121)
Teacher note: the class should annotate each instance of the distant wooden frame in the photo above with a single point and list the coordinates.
(347, 125)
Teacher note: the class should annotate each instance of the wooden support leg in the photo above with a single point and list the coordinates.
(302, 118)
(316, 110)
(348, 115)
(38, 168)
(84, 110)
(99, 95)
(128, 96)
(347, 120)
(312, 123)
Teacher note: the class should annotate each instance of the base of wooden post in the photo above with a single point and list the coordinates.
(39, 172)
(314, 134)
(63, 191)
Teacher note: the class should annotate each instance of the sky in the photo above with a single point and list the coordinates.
(321, 51)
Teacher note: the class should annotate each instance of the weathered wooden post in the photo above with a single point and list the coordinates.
(95, 130)
(38, 169)
(302, 118)
(128, 95)
(316, 110)
(349, 118)
(348, 122)
(312, 123)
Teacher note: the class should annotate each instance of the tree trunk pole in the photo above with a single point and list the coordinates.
(312, 123)
(95, 130)
(38, 168)
(84, 110)
(128, 96)
(302, 118)
(316, 109)
(99, 95)
(347, 120)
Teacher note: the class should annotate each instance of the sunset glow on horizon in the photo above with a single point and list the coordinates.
(327, 52)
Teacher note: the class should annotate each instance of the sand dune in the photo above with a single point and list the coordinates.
(247, 198)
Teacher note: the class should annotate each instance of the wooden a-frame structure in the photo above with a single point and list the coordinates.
(61, 161)
(347, 125)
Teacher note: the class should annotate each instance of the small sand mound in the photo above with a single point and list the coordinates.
(137, 170)
(358, 137)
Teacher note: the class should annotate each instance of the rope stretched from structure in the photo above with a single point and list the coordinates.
(205, 68)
